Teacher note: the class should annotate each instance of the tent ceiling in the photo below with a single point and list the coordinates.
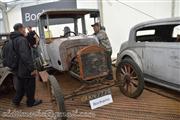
(11, 3)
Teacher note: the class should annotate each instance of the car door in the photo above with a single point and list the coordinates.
(162, 59)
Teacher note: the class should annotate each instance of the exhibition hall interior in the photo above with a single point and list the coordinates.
(89, 59)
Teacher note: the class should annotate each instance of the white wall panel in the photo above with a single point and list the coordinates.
(118, 18)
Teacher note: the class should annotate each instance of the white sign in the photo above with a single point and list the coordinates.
(31, 16)
(98, 102)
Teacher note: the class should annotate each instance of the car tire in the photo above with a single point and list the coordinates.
(7, 85)
(129, 75)
(58, 96)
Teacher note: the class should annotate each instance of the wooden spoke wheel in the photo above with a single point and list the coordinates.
(130, 78)
(59, 97)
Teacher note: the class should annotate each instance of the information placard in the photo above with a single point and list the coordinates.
(99, 102)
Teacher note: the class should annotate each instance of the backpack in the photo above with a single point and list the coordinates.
(9, 55)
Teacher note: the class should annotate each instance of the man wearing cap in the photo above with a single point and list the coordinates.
(25, 71)
(104, 43)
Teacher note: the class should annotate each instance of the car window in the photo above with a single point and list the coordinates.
(145, 35)
(145, 32)
(161, 33)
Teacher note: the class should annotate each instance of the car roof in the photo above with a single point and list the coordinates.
(166, 21)
(68, 13)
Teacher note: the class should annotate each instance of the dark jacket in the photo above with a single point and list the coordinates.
(25, 63)
(30, 37)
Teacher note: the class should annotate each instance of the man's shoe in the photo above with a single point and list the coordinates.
(36, 102)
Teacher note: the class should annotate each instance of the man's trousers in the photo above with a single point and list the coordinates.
(25, 86)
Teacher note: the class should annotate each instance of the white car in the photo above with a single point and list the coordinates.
(154, 49)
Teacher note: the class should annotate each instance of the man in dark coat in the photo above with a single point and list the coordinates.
(25, 71)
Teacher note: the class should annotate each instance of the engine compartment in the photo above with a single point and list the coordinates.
(61, 51)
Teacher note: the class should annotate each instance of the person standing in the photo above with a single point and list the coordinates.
(104, 43)
(32, 37)
(33, 40)
(25, 71)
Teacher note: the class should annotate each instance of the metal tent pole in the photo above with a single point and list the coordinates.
(173, 8)
(100, 7)
(5, 17)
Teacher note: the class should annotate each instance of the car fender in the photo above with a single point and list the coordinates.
(131, 54)
(4, 73)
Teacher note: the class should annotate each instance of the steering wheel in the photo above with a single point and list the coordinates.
(69, 33)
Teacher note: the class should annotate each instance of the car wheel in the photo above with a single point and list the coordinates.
(56, 90)
(7, 86)
(130, 78)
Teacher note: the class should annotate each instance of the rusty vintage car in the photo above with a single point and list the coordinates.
(154, 48)
(80, 55)
(6, 76)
